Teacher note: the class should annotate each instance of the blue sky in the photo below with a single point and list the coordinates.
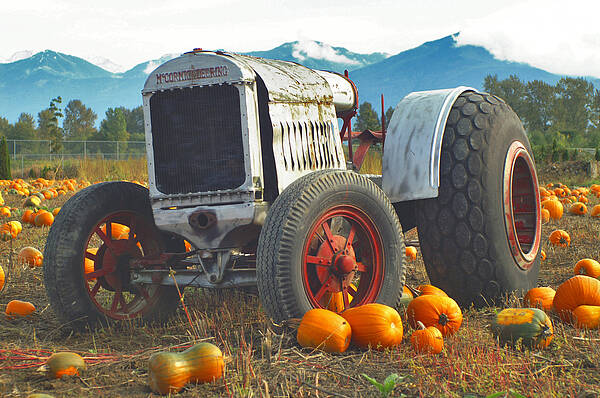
(561, 37)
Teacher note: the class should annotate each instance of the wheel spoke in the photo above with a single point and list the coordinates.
(95, 289)
(361, 267)
(319, 261)
(115, 301)
(351, 290)
(90, 256)
(96, 274)
(350, 237)
(328, 235)
(144, 293)
(105, 238)
(345, 297)
(324, 288)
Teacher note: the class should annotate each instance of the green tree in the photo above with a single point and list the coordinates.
(511, 90)
(24, 128)
(388, 115)
(79, 121)
(4, 160)
(114, 126)
(367, 118)
(573, 105)
(135, 123)
(5, 127)
(48, 124)
(540, 100)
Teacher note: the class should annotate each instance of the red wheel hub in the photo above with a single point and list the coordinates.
(109, 285)
(343, 254)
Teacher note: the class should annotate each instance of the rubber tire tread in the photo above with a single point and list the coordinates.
(278, 239)
(63, 272)
(461, 232)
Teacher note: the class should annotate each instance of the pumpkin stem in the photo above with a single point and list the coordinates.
(443, 319)
(420, 325)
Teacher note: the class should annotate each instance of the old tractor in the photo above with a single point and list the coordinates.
(247, 165)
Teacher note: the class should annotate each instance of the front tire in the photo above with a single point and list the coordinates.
(480, 238)
(329, 233)
(105, 225)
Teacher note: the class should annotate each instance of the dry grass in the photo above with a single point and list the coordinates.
(266, 362)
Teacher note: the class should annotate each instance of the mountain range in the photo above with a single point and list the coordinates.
(28, 83)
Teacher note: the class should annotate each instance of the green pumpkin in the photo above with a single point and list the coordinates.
(531, 326)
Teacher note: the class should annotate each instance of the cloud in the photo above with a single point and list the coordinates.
(311, 49)
(559, 37)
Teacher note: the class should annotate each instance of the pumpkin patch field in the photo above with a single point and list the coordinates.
(221, 343)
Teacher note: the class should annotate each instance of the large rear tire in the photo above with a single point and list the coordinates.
(329, 233)
(104, 225)
(480, 238)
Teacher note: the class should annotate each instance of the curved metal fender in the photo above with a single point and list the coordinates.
(413, 143)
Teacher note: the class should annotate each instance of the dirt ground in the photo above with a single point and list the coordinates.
(263, 361)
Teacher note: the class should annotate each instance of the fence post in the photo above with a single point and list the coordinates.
(22, 168)
(84, 150)
(117, 150)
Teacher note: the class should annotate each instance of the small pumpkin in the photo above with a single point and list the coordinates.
(335, 300)
(578, 208)
(531, 326)
(554, 207)
(441, 312)
(545, 215)
(65, 364)
(560, 237)
(587, 316)
(411, 253)
(595, 211)
(44, 218)
(542, 255)
(575, 291)
(17, 308)
(32, 201)
(324, 330)
(26, 216)
(117, 231)
(587, 266)
(31, 256)
(375, 325)
(431, 290)
(169, 372)
(2, 278)
(540, 297)
(427, 340)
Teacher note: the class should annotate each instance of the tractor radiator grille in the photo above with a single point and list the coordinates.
(197, 139)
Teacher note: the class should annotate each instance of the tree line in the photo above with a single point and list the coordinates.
(556, 117)
(75, 123)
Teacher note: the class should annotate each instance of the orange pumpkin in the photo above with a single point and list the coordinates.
(26, 217)
(427, 340)
(545, 215)
(88, 264)
(407, 292)
(375, 325)
(169, 372)
(31, 256)
(441, 312)
(560, 237)
(587, 266)
(554, 207)
(587, 316)
(2, 278)
(44, 218)
(335, 300)
(576, 291)
(16, 308)
(118, 231)
(431, 290)
(540, 297)
(324, 330)
(578, 208)
(542, 254)
(65, 364)
(595, 211)
(411, 253)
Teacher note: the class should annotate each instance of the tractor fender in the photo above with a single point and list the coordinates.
(413, 142)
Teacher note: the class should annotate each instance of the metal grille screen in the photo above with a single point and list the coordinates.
(197, 139)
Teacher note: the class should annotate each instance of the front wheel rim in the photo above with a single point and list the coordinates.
(522, 213)
(343, 254)
(108, 285)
